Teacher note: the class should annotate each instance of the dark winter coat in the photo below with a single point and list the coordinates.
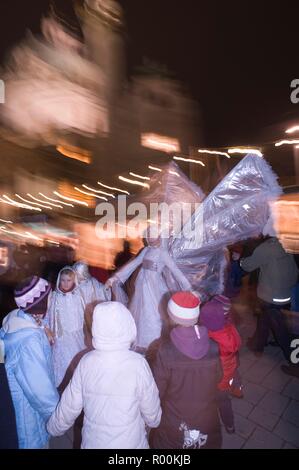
(188, 389)
(8, 429)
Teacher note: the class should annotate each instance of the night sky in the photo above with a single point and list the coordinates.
(237, 59)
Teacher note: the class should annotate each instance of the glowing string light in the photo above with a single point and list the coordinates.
(137, 183)
(245, 151)
(189, 160)
(154, 168)
(56, 200)
(286, 142)
(34, 203)
(82, 203)
(139, 176)
(6, 221)
(18, 204)
(214, 152)
(90, 194)
(291, 130)
(97, 191)
(114, 189)
(43, 202)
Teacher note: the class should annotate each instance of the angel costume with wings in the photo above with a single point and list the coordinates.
(235, 210)
(158, 275)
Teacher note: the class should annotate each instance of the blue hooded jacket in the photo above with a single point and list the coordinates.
(28, 364)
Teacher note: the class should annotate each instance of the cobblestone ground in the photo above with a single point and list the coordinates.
(268, 415)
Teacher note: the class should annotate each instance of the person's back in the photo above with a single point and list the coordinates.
(190, 399)
(113, 385)
(278, 271)
(187, 370)
(28, 364)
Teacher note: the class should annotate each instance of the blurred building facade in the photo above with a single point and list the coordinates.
(145, 105)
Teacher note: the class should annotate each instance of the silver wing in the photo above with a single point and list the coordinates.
(237, 209)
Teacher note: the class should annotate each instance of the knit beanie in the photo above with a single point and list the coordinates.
(31, 295)
(183, 308)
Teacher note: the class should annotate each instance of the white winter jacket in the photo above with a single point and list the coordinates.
(113, 385)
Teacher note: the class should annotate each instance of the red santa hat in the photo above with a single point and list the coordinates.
(183, 308)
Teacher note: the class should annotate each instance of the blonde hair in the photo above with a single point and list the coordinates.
(68, 271)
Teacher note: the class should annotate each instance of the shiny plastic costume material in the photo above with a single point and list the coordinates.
(237, 209)
(158, 273)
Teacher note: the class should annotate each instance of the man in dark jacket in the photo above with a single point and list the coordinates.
(186, 370)
(278, 275)
(8, 429)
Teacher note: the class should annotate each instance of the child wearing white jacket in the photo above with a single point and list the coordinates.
(65, 318)
(113, 385)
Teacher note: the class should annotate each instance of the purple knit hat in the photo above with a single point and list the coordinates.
(212, 314)
(31, 293)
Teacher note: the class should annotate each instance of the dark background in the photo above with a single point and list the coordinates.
(236, 58)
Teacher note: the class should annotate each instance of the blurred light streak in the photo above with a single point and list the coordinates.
(291, 130)
(56, 200)
(286, 142)
(139, 176)
(114, 189)
(98, 191)
(18, 204)
(154, 168)
(77, 201)
(6, 221)
(189, 160)
(214, 152)
(75, 153)
(39, 200)
(33, 203)
(245, 151)
(137, 183)
(158, 142)
(90, 194)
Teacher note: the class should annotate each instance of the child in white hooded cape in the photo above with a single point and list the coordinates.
(65, 317)
(91, 289)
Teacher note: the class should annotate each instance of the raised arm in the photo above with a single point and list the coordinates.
(125, 272)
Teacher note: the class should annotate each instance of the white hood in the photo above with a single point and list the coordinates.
(59, 275)
(81, 270)
(12, 323)
(113, 327)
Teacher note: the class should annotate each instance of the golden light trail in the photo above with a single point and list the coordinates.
(154, 168)
(43, 202)
(98, 191)
(139, 176)
(33, 203)
(18, 204)
(287, 142)
(56, 200)
(114, 189)
(90, 194)
(245, 151)
(189, 160)
(82, 203)
(291, 130)
(137, 183)
(214, 152)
